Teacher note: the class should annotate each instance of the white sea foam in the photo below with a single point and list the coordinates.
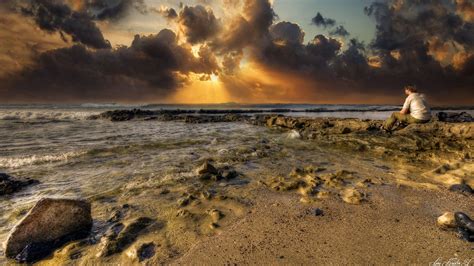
(44, 115)
(16, 162)
(101, 105)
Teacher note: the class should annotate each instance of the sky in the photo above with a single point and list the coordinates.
(246, 51)
(349, 13)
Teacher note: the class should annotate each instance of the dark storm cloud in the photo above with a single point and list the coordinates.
(55, 16)
(77, 17)
(321, 21)
(416, 42)
(250, 29)
(168, 13)
(319, 59)
(433, 43)
(405, 50)
(287, 32)
(428, 43)
(199, 23)
(113, 9)
(280, 46)
(260, 14)
(352, 64)
(150, 67)
(323, 47)
(416, 21)
(339, 31)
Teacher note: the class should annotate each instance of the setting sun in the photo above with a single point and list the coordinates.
(201, 89)
(214, 78)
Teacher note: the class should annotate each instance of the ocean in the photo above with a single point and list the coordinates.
(72, 112)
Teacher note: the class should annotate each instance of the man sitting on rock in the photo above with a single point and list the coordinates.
(415, 110)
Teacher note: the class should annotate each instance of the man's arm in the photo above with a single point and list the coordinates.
(406, 106)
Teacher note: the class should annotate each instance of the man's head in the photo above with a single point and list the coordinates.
(410, 89)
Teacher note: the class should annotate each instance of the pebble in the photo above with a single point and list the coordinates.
(318, 212)
(294, 134)
(446, 220)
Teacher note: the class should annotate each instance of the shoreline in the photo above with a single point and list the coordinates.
(363, 180)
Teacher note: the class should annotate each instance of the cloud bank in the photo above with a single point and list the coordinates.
(256, 57)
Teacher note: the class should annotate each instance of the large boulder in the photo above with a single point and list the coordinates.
(50, 224)
(9, 185)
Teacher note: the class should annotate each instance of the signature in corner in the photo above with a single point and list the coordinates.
(453, 262)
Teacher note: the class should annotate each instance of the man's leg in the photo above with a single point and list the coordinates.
(390, 122)
(412, 120)
(396, 116)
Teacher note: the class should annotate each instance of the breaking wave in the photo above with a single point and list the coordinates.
(62, 115)
(37, 159)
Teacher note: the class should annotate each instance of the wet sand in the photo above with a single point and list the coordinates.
(396, 226)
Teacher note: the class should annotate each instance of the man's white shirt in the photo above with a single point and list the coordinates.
(416, 103)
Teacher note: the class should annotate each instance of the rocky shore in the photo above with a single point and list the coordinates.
(332, 187)
(217, 115)
(445, 142)
(10, 185)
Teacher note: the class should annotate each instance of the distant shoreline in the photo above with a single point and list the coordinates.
(236, 108)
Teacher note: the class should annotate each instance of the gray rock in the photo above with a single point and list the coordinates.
(9, 185)
(206, 168)
(464, 221)
(462, 188)
(50, 224)
(124, 115)
(453, 117)
(228, 173)
(318, 212)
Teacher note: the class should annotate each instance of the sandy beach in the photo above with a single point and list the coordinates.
(395, 227)
(264, 189)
